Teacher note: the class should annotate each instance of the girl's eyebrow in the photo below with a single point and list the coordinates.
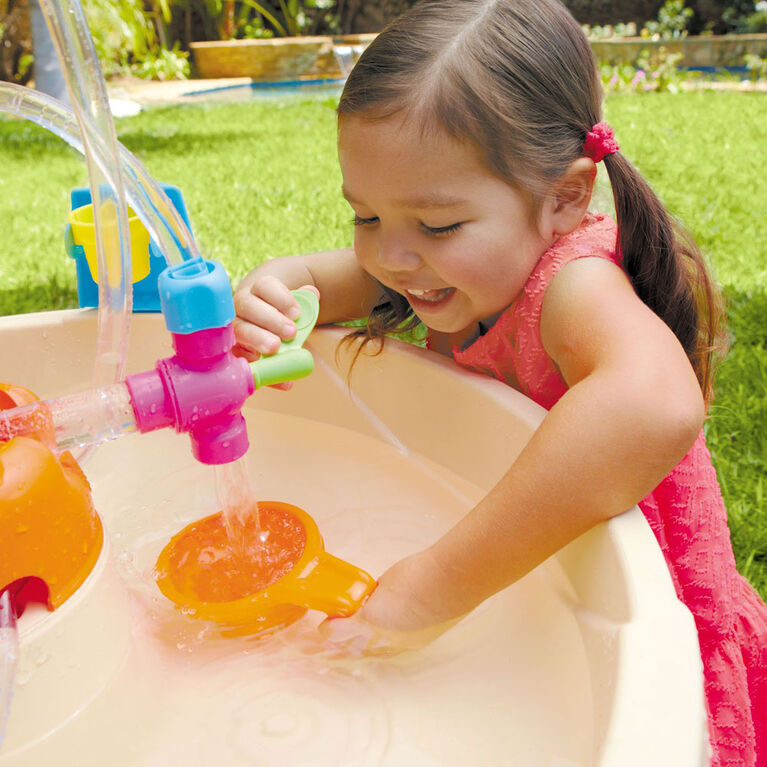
(422, 202)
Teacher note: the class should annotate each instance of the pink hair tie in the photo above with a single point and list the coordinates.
(600, 141)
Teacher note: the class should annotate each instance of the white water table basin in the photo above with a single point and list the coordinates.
(589, 660)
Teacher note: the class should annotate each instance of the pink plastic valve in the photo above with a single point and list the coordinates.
(200, 390)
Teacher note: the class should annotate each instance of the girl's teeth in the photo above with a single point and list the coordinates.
(430, 295)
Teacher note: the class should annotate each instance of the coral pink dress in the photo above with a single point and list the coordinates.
(686, 512)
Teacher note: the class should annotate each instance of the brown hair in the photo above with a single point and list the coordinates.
(517, 78)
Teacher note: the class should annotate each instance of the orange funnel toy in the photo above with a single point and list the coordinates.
(275, 572)
(49, 529)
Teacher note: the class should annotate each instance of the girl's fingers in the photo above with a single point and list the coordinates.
(275, 293)
(266, 313)
(247, 354)
(260, 326)
(346, 637)
(314, 289)
(258, 312)
(252, 340)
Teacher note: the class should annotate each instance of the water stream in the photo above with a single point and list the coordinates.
(239, 508)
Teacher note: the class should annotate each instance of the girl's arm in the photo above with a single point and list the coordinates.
(264, 304)
(632, 411)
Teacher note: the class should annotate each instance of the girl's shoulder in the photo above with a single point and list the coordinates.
(512, 349)
(596, 236)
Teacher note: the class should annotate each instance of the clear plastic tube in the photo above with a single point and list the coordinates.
(143, 194)
(97, 141)
(87, 92)
(9, 657)
(73, 422)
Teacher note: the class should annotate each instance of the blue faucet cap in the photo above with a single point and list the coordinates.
(195, 295)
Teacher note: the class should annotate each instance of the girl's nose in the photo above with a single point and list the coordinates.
(395, 255)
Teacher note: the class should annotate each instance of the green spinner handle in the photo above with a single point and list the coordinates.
(291, 360)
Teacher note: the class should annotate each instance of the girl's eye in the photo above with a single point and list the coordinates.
(359, 221)
(436, 231)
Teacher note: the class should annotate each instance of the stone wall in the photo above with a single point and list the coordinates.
(699, 51)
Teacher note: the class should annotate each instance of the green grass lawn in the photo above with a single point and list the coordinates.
(261, 180)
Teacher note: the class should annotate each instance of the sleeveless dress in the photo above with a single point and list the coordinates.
(685, 511)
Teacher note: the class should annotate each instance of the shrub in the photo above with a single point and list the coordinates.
(126, 40)
(672, 21)
(655, 71)
(163, 64)
(756, 66)
(15, 42)
(718, 16)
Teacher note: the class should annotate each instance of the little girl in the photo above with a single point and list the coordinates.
(468, 136)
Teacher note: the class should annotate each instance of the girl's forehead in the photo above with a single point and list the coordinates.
(400, 138)
(392, 161)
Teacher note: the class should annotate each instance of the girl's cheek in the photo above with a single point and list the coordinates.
(364, 249)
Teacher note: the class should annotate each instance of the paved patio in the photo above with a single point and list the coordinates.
(149, 92)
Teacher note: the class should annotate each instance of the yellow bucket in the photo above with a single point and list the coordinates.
(84, 234)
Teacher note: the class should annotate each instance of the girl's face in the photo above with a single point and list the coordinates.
(433, 223)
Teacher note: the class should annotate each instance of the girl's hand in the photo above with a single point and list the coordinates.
(396, 617)
(266, 311)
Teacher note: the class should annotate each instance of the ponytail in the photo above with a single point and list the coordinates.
(667, 270)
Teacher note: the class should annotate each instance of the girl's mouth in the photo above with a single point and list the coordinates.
(431, 297)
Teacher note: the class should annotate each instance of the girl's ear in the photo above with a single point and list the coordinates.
(568, 200)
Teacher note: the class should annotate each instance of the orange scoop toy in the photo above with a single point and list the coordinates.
(280, 570)
(48, 526)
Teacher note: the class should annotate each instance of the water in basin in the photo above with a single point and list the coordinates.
(272, 700)
(572, 665)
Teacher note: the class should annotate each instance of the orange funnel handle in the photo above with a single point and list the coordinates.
(332, 585)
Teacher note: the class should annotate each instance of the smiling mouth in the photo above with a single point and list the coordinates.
(433, 296)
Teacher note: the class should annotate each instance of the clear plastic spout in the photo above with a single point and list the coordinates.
(81, 420)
